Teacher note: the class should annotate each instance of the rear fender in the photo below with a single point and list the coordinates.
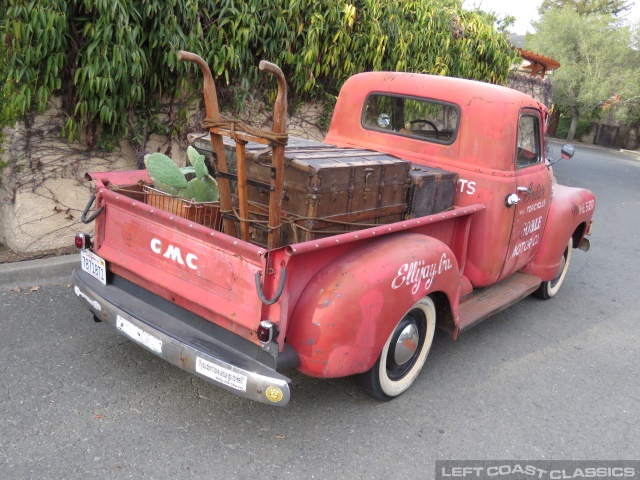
(350, 307)
(570, 215)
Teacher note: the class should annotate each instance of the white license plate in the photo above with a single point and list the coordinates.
(138, 335)
(93, 265)
(221, 375)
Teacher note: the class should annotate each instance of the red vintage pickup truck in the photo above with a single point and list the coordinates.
(361, 291)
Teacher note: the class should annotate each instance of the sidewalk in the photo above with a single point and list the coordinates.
(30, 273)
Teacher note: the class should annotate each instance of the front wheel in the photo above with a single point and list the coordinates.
(404, 353)
(549, 289)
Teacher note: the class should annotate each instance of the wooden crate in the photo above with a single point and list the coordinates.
(327, 190)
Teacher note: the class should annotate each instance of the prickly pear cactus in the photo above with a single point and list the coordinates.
(168, 178)
(197, 161)
(164, 171)
(198, 190)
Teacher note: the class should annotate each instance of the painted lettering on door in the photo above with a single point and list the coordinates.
(530, 227)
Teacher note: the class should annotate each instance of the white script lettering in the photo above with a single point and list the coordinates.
(415, 273)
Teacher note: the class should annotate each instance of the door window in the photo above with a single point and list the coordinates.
(528, 149)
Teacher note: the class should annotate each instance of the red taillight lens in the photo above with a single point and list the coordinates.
(267, 331)
(82, 241)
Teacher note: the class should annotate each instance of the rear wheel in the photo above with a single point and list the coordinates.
(549, 289)
(404, 353)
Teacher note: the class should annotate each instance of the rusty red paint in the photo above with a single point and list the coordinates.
(369, 289)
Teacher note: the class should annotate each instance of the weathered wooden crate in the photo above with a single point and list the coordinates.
(327, 190)
(431, 190)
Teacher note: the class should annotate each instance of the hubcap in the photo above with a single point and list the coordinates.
(407, 344)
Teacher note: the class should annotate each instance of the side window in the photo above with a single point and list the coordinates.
(528, 148)
(419, 118)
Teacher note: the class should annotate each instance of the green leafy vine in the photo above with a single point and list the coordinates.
(111, 60)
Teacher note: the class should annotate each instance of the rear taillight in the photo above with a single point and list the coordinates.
(83, 241)
(267, 331)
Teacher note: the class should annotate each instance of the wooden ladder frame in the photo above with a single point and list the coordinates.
(241, 138)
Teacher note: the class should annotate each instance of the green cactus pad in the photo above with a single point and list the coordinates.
(192, 155)
(162, 169)
(200, 168)
(168, 189)
(200, 191)
(213, 187)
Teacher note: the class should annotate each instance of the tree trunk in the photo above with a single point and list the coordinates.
(574, 124)
(553, 123)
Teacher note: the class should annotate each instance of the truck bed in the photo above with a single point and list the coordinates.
(189, 293)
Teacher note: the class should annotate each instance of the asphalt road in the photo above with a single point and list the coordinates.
(541, 380)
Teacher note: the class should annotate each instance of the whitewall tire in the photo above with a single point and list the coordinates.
(404, 353)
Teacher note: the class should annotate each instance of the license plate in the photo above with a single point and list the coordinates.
(221, 375)
(138, 335)
(93, 265)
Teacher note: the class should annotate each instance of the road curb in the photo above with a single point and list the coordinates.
(631, 153)
(44, 271)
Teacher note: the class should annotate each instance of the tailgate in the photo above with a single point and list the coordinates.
(202, 270)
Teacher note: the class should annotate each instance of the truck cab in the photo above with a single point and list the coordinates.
(493, 137)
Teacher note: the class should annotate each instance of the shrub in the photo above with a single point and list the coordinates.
(4, 52)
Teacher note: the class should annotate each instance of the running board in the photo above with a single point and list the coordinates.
(484, 302)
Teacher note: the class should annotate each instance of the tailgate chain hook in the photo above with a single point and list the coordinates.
(84, 218)
(283, 277)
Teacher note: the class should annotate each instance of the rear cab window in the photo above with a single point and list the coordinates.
(420, 118)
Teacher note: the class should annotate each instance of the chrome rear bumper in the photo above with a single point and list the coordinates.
(183, 339)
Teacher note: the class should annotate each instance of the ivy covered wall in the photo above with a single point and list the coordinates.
(105, 72)
(111, 59)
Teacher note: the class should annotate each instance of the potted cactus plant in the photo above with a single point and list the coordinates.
(189, 192)
(172, 180)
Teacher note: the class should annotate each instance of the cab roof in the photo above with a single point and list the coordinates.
(487, 131)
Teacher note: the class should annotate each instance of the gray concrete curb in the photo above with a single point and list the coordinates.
(44, 271)
(631, 153)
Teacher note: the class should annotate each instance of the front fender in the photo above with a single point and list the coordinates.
(570, 208)
(349, 309)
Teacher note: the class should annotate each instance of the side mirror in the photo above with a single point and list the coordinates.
(566, 152)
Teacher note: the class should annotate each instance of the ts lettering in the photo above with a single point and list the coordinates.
(467, 187)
